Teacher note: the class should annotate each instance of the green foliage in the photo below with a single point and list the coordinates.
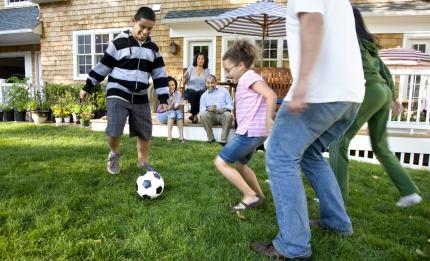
(57, 110)
(57, 202)
(99, 100)
(54, 92)
(87, 112)
(18, 95)
(38, 102)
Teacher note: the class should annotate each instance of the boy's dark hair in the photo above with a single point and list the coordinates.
(241, 51)
(211, 76)
(170, 78)
(361, 28)
(205, 65)
(144, 12)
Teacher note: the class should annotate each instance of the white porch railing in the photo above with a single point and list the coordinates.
(413, 90)
(4, 87)
(409, 133)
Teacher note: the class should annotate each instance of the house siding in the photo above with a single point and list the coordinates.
(390, 40)
(61, 19)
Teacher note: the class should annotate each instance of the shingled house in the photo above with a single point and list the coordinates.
(60, 40)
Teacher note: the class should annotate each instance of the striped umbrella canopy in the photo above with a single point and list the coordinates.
(264, 18)
(404, 57)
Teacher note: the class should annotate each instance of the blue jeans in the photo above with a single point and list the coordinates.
(162, 117)
(297, 142)
(240, 148)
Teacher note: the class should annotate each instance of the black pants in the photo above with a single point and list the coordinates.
(193, 98)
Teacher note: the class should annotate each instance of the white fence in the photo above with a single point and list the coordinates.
(409, 133)
(4, 87)
(413, 90)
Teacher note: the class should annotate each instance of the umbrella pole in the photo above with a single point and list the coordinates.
(262, 43)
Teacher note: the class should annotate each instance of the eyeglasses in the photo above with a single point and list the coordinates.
(227, 70)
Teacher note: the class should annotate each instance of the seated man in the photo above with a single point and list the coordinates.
(215, 108)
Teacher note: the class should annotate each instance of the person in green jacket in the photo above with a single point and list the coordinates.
(374, 110)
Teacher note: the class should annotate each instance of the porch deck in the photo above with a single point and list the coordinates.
(412, 149)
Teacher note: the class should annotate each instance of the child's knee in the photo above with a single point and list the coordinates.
(219, 162)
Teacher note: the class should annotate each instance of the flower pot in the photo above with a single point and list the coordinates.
(19, 115)
(28, 116)
(85, 122)
(39, 117)
(8, 115)
(58, 120)
(75, 117)
(66, 119)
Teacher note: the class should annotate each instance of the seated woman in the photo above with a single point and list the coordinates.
(173, 112)
(194, 78)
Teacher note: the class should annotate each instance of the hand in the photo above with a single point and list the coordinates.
(396, 107)
(221, 111)
(83, 95)
(163, 107)
(211, 108)
(298, 103)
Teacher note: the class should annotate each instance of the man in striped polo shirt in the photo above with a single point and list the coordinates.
(130, 59)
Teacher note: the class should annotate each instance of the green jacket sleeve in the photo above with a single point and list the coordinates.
(385, 73)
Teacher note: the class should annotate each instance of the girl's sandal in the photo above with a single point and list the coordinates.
(244, 206)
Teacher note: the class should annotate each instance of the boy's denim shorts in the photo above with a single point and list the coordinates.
(139, 118)
(162, 117)
(240, 148)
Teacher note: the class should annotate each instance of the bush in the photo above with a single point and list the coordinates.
(17, 95)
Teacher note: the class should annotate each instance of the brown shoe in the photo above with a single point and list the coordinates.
(267, 249)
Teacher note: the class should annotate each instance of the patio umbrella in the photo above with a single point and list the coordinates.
(404, 57)
(263, 18)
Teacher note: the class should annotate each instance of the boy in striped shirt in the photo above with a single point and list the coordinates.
(130, 59)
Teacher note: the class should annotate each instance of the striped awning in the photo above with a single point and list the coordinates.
(404, 57)
(264, 18)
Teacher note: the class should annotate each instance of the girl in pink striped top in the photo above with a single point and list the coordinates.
(255, 110)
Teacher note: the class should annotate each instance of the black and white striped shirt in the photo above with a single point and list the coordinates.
(129, 65)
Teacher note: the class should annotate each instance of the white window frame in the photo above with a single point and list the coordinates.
(414, 38)
(7, 3)
(186, 58)
(27, 62)
(280, 58)
(92, 33)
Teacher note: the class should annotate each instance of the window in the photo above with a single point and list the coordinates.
(89, 47)
(17, 2)
(274, 51)
(269, 50)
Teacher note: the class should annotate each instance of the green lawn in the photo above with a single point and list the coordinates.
(58, 202)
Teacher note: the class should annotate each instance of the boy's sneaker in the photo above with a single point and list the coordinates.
(409, 200)
(113, 163)
(145, 166)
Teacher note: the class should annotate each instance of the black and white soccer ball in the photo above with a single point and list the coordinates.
(150, 185)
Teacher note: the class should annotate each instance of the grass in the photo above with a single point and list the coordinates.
(57, 202)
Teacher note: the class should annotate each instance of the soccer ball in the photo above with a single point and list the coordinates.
(150, 185)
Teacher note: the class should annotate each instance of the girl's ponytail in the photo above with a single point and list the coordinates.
(241, 51)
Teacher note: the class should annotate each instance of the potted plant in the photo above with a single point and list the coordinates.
(8, 114)
(58, 113)
(66, 114)
(87, 113)
(1, 111)
(100, 104)
(76, 110)
(38, 108)
(18, 97)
